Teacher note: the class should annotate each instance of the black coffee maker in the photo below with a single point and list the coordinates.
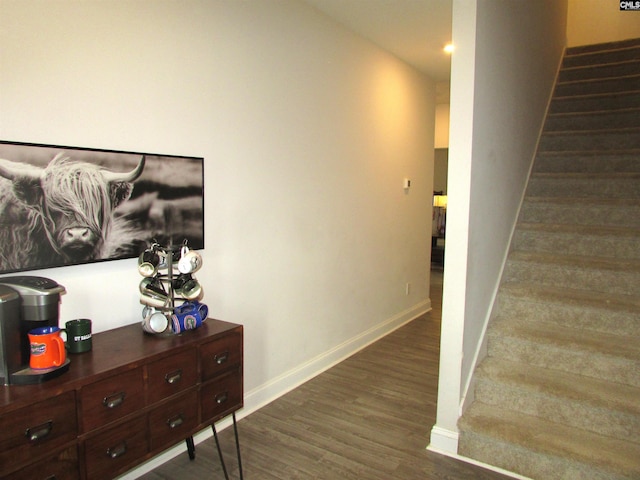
(26, 303)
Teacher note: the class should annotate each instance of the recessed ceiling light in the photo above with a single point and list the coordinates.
(449, 48)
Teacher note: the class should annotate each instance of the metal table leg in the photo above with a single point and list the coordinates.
(235, 431)
(191, 448)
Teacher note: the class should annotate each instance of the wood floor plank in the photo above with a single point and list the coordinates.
(367, 418)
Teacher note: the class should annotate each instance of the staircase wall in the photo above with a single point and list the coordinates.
(488, 147)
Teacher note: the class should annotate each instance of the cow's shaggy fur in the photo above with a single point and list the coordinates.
(35, 216)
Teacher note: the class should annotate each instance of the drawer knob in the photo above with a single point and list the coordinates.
(176, 421)
(117, 451)
(221, 398)
(221, 358)
(39, 431)
(113, 401)
(173, 377)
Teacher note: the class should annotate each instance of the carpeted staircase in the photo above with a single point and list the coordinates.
(558, 394)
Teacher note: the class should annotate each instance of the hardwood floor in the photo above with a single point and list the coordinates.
(368, 418)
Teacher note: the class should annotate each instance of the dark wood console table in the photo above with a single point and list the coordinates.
(128, 399)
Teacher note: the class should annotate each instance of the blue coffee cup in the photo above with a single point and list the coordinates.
(188, 316)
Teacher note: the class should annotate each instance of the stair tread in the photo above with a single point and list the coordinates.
(614, 46)
(589, 151)
(570, 387)
(601, 79)
(586, 175)
(594, 112)
(569, 339)
(572, 296)
(631, 61)
(605, 263)
(594, 95)
(594, 230)
(620, 130)
(554, 439)
(628, 154)
(581, 201)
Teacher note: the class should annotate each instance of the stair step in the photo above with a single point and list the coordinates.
(570, 308)
(629, 83)
(617, 139)
(554, 162)
(590, 404)
(571, 239)
(544, 450)
(597, 102)
(602, 47)
(611, 54)
(582, 211)
(605, 275)
(585, 185)
(593, 121)
(607, 70)
(604, 356)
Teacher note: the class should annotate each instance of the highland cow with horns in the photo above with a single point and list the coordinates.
(62, 214)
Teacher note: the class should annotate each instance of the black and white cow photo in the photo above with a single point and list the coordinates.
(67, 205)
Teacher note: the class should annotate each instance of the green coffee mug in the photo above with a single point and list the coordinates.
(78, 335)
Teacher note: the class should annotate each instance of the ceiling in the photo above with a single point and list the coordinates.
(413, 30)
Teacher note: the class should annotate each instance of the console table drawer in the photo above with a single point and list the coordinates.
(36, 430)
(221, 354)
(174, 421)
(172, 375)
(113, 450)
(61, 466)
(109, 399)
(222, 396)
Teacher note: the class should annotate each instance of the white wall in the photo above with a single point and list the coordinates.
(307, 132)
(503, 70)
(597, 21)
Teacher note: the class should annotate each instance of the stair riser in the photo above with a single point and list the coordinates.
(596, 103)
(592, 141)
(593, 121)
(574, 276)
(622, 69)
(597, 187)
(610, 246)
(510, 396)
(601, 58)
(589, 87)
(567, 163)
(581, 317)
(614, 215)
(577, 362)
(515, 458)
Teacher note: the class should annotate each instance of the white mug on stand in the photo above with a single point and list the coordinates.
(154, 321)
(190, 261)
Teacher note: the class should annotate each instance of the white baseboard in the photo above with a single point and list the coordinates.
(443, 441)
(270, 391)
(486, 466)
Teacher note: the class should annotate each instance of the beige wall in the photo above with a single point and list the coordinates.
(599, 21)
(442, 125)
